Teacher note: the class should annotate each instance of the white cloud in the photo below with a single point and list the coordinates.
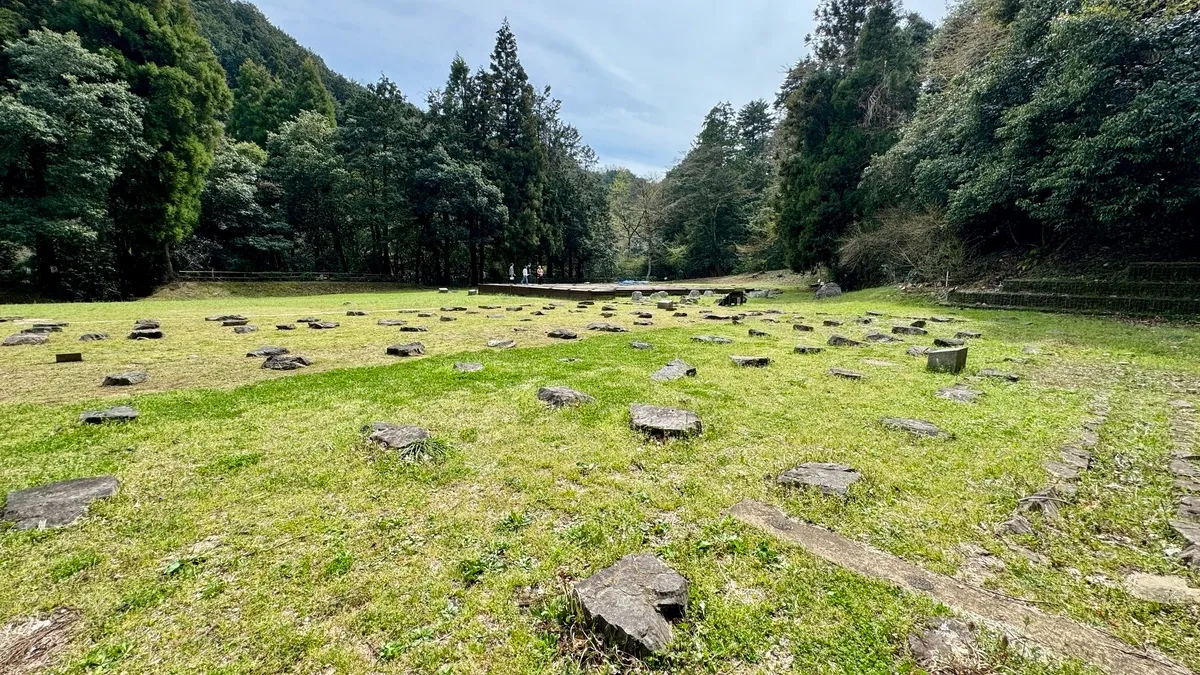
(635, 77)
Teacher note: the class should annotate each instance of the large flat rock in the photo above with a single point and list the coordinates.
(563, 397)
(287, 362)
(410, 349)
(632, 602)
(121, 413)
(56, 505)
(915, 427)
(830, 479)
(675, 370)
(663, 422)
(127, 379)
(26, 339)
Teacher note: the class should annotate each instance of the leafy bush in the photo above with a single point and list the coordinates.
(899, 245)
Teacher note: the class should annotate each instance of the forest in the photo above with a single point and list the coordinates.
(143, 137)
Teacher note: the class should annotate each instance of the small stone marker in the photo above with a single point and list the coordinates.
(93, 337)
(396, 437)
(355, 312)
(285, 326)
(121, 413)
(632, 603)
(391, 322)
(919, 323)
(472, 291)
(56, 505)
(881, 337)
(663, 422)
(666, 305)
(607, 328)
(468, 367)
(413, 329)
(499, 343)
(996, 374)
(147, 324)
(959, 393)
(449, 318)
(753, 332)
(680, 315)
(830, 479)
(410, 349)
(489, 307)
(636, 296)
(127, 379)
(830, 323)
(948, 342)
(909, 330)
(1161, 589)
(514, 308)
(266, 351)
(967, 335)
(808, 349)
(443, 290)
(842, 341)
(1188, 529)
(228, 317)
(323, 325)
(677, 369)
(245, 330)
(802, 328)
(751, 361)
(915, 427)
(563, 397)
(846, 374)
(308, 319)
(230, 323)
(643, 315)
(952, 360)
(286, 362)
(643, 322)
(562, 334)
(146, 335)
(68, 358)
(643, 346)
(918, 351)
(941, 319)
(425, 315)
(712, 339)
(718, 317)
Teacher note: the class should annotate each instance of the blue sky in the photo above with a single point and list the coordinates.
(635, 76)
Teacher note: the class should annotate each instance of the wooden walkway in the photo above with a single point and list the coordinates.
(595, 291)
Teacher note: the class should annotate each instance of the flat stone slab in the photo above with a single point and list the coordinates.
(323, 325)
(712, 339)
(1184, 469)
(287, 362)
(842, 341)
(501, 343)
(563, 397)
(468, 367)
(285, 326)
(397, 437)
(881, 338)
(846, 374)
(948, 342)
(967, 335)
(830, 479)
(267, 350)
(226, 317)
(632, 603)
(230, 323)
(127, 379)
(413, 329)
(1189, 507)
(1056, 633)
(93, 337)
(754, 332)
(562, 334)
(153, 334)
(945, 646)
(641, 346)
(808, 349)
(607, 328)
(1188, 529)
(308, 319)
(918, 351)
(915, 427)
(244, 330)
(998, 375)
(664, 422)
(147, 324)
(391, 322)
(803, 328)
(25, 339)
(959, 393)
(355, 312)
(121, 413)
(1161, 589)
(1062, 470)
(675, 370)
(750, 361)
(909, 330)
(56, 505)
(447, 318)
(410, 349)
(831, 323)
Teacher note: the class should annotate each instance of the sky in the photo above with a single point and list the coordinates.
(636, 77)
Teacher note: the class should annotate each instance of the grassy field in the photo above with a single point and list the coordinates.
(256, 531)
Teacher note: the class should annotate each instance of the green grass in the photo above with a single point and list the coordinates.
(323, 553)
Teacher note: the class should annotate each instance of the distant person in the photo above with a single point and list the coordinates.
(512, 274)
(525, 275)
(541, 272)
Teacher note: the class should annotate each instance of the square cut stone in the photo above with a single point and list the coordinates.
(952, 360)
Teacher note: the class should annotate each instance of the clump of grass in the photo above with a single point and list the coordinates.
(428, 450)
